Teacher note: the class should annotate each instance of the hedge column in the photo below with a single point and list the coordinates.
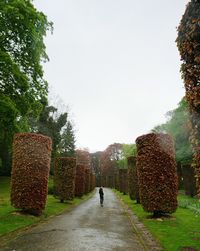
(80, 180)
(188, 43)
(64, 178)
(133, 179)
(156, 166)
(30, 172)
(123, 181)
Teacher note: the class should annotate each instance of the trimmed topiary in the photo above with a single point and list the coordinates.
(87, 180)
(30, 172)
(189, 180)
(80, 180)
(156, 167)
(188, 43)
(123, 181)
(133, 187)
(64, 178)
(117, 179)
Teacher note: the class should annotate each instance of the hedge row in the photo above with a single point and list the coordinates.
(156, 166)
(64, 178)
(30, 172)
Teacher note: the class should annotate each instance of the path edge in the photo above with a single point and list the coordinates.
(145, 237)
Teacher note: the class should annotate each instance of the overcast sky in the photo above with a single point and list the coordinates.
(115, 64)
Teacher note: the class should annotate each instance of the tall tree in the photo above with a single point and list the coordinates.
(127, 150)
(22, 86)
(177, 126)
(50, 123)
(67, 143)
(188, 43)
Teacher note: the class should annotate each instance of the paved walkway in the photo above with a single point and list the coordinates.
(88, 227)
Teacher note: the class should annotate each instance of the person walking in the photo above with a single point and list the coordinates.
(101, 194)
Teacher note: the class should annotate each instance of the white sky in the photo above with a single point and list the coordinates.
(115, 64)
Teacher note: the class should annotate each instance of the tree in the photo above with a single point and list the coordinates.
(177, 126)
(127, 150)
(50, 123)
(188, 43)
(67, 143)
(22, 87)
(22, 49)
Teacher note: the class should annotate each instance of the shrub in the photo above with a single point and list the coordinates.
(133, 187)
(156, 166)
(30, 172)
(64, 178)
(123, 181)
(80, 180)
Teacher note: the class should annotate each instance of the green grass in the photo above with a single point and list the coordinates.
(11, 220)
(181, 230)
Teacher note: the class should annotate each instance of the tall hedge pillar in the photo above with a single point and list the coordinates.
(188, 43)
(133, 179)
(80, 180)
(123, 181)
(30, 172)
(64, 178)
(156, 166)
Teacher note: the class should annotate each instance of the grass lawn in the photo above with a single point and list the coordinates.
(11, 220)
(181, 230)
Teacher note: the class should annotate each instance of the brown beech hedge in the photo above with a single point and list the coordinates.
(87, 180)
(80, 180)
(123, 181)
(188, 43)
(30, 172)
(133, 187)
(156, 166)
(117, 179)
(64, 178)
(189, 180)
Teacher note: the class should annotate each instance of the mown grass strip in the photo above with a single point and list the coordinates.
(182, 229)
(11, 219)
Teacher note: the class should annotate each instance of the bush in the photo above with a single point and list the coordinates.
(133, 187)
(156, 166)
(123, 181)
(30, 172)
(64, 178)
(80, 180)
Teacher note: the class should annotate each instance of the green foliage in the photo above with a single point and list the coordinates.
(22, 30)
(177, 127)
(181, 230)
(127, 150)
(67, 143)
(50, 123)
(190, 203)
(22, 86)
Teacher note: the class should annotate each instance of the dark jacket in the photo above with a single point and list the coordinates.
(101, 192)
